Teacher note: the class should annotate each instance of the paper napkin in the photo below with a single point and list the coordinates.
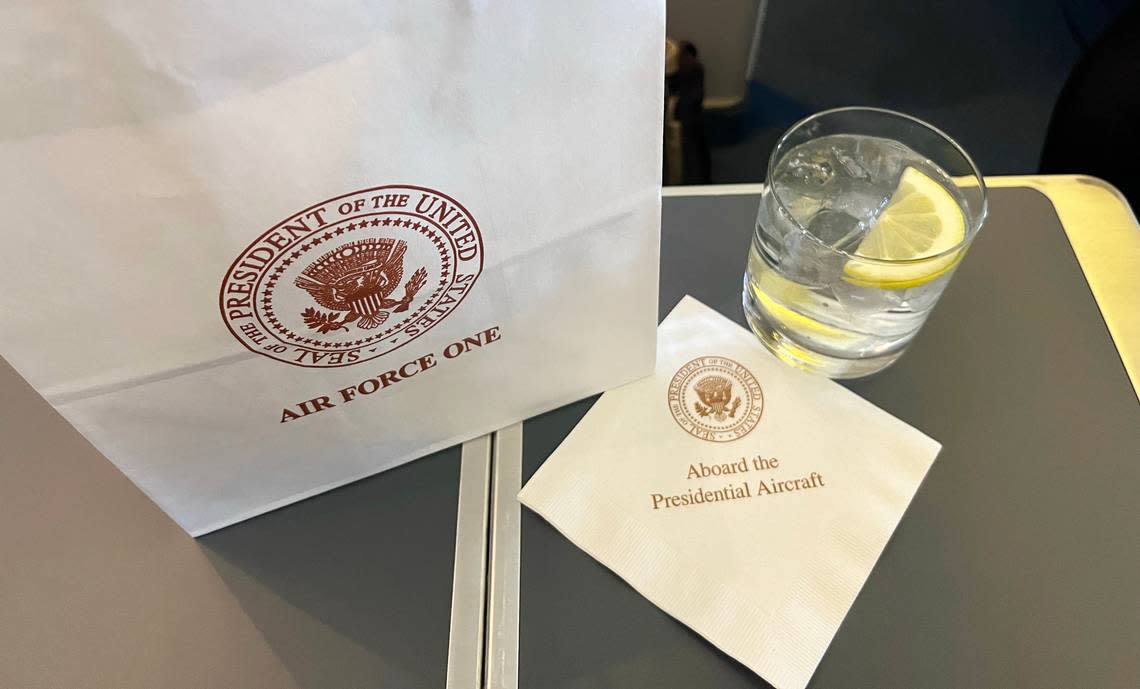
(746, 499)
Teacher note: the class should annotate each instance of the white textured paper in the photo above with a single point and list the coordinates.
(768, 578)
(144, 146)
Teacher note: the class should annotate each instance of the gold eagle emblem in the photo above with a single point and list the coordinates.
(356, 280)
(716, 394)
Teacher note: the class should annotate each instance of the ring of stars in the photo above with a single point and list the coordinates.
(316, 239)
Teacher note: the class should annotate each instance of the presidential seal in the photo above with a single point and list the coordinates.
(715, 398)
(354, 277)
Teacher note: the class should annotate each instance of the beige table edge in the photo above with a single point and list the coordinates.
(1101, 228)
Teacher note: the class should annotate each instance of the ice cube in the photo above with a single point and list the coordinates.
(836, 186)
(774, 222)
(806, 261)
(884, 159)
(863, 202)
(806, 166)
(836, 229)
(850, 164)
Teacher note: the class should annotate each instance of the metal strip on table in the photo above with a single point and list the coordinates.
(468, 590)
(503, 591)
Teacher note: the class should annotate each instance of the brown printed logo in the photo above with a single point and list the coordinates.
(715, 398)
(354, 277)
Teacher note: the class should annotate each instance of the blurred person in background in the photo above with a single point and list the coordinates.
(688, 85)
(1095, 127)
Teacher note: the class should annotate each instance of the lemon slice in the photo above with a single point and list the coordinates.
(774, 291)
(922, 220)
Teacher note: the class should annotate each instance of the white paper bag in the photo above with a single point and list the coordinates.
(255, 250)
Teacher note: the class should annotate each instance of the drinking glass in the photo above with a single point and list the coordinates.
(864, 219)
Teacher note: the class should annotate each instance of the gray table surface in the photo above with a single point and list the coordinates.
(100, 590)
(1016, 565)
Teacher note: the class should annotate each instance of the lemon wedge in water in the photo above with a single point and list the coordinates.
(776, 293)
(922, 220)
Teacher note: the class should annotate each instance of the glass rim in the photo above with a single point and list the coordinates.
(971, 229)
